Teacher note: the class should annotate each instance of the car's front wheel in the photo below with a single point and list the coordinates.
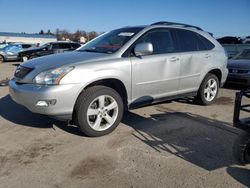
(98, 111)
(208, 90)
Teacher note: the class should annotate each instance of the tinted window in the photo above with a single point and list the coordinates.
(161, 40)
(75, 45)
(65, 46)
(26, 45)
(209, 45)
(56, 46)
(189, 41)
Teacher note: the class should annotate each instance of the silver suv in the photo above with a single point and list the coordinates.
(119, 70)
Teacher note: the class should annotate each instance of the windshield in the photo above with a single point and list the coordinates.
(45, 45)
(112, 41)
(2, 46)
(13, 48)
(245, 54)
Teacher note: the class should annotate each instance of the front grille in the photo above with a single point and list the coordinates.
(21, 71)
(238, 71)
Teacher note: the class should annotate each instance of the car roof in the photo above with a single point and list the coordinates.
(171, 25)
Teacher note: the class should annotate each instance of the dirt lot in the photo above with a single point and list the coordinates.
(176, 144)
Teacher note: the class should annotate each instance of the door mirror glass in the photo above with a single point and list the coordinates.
(143, 49)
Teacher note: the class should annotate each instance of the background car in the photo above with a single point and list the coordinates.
(247, 40)
(47, 49)
(10, 51)
(2, 45)
(239, 68)
(230, 40)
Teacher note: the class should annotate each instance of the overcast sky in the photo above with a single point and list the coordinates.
(221, 17)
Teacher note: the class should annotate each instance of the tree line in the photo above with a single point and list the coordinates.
(72, 36)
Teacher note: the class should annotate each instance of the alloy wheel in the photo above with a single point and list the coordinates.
(102, 112)
(211, 89)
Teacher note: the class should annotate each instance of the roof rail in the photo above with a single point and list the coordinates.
(175, 23)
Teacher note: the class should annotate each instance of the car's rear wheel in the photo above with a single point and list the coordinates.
(98, 111)
(208, 90)
(1, 59)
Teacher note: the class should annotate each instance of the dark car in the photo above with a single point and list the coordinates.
(230, 40)
(47, 49)
(239, 68)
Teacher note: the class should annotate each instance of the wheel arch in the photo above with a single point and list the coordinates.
(113, 83)
(216, 72)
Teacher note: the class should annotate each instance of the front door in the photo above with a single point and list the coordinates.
(157, 75)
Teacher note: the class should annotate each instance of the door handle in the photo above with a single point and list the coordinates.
(174, 59)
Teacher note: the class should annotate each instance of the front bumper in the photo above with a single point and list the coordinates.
(29, 94)
(243, 79)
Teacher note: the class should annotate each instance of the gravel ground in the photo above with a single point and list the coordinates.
(177, 144)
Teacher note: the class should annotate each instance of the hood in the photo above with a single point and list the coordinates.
(239, 64)
(61, 59)
(58, 60)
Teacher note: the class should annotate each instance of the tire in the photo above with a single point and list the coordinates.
(208, 92)
(1, 59)
(105, 108)
(241, 148)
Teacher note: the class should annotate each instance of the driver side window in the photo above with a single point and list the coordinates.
(161, 39)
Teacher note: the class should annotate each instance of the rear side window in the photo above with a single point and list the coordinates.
(56, 46)
(161, 40)
(75, 45)
(65, 46)
(191, 41)
(207, 43)
(26, 45)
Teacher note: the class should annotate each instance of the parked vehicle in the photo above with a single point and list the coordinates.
(10, 51)
(2, 45)
(239, 68)
(47, 49)
(230, 40)
(246, 40)
(122, 69)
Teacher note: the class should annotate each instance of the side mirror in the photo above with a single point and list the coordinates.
(142, 49)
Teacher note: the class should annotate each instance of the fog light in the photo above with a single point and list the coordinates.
(42, 103)
(46, 103)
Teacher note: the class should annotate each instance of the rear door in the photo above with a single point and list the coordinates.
(157, 75)
(61, 47)
(194, 57)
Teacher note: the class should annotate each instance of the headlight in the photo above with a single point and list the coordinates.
(52, 77)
